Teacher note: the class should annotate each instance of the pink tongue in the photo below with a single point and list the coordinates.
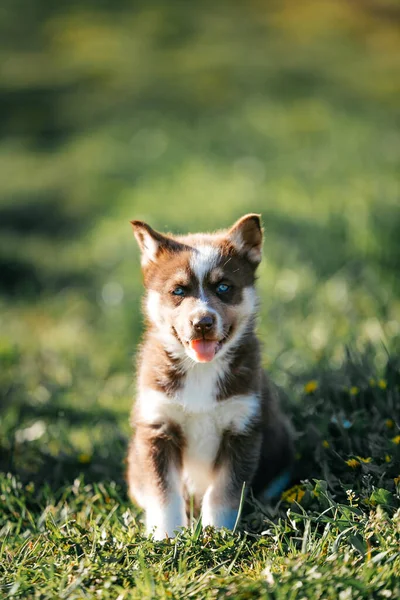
(204, 349)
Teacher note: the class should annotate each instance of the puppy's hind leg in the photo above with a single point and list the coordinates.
(275, 469)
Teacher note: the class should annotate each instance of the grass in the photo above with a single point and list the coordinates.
(77, 550)
(188, 116)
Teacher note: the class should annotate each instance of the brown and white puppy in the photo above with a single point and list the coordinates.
(205, 419)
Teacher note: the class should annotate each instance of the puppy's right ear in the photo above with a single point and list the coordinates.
(151, 242)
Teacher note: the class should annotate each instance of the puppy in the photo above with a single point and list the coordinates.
(205, 419)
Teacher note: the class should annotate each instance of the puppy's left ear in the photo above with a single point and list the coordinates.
(246, 237)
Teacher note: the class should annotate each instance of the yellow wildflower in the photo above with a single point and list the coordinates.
(364, 460)
(397, 480)
(325, 444)
(294, 494)
(299, 495)
(311, 386)
(389, 423)
(353, 463)
(382, 384)
(396, 440)
(84, 458)
(354, 390)
(388, 458)
(372, 382)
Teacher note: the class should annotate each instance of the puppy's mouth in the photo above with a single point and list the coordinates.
(203, 350)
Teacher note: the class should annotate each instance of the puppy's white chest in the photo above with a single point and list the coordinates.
(203, 437)
(203, 421)
(203, 433)
(200, 388)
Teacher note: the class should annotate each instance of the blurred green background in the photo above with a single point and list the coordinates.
(187, 115)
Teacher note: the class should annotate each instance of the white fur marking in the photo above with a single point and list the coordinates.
(203, 260)
(219, 509)
(153, 307)
(200, 388)
(234, 413)
(202, 307)
(217, 515)
(155, 313)
(164, 518)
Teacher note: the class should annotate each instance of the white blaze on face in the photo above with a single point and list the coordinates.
(203, 260)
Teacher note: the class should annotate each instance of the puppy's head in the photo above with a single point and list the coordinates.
(200, 287)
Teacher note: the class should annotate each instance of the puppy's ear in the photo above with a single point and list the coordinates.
(246, 237)
(151, 242)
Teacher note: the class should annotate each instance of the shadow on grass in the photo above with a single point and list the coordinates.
(44, 217)
(326, 248)
(57, 461)
(24, 278)
(385, 224)
(351, 415)
(47, 214)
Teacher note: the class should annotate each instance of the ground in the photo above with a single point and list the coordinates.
(188, 116)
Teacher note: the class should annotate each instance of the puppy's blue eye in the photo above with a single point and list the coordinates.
(178, 291)
(222, 288)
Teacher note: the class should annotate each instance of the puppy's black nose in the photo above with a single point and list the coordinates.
(204, 324)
